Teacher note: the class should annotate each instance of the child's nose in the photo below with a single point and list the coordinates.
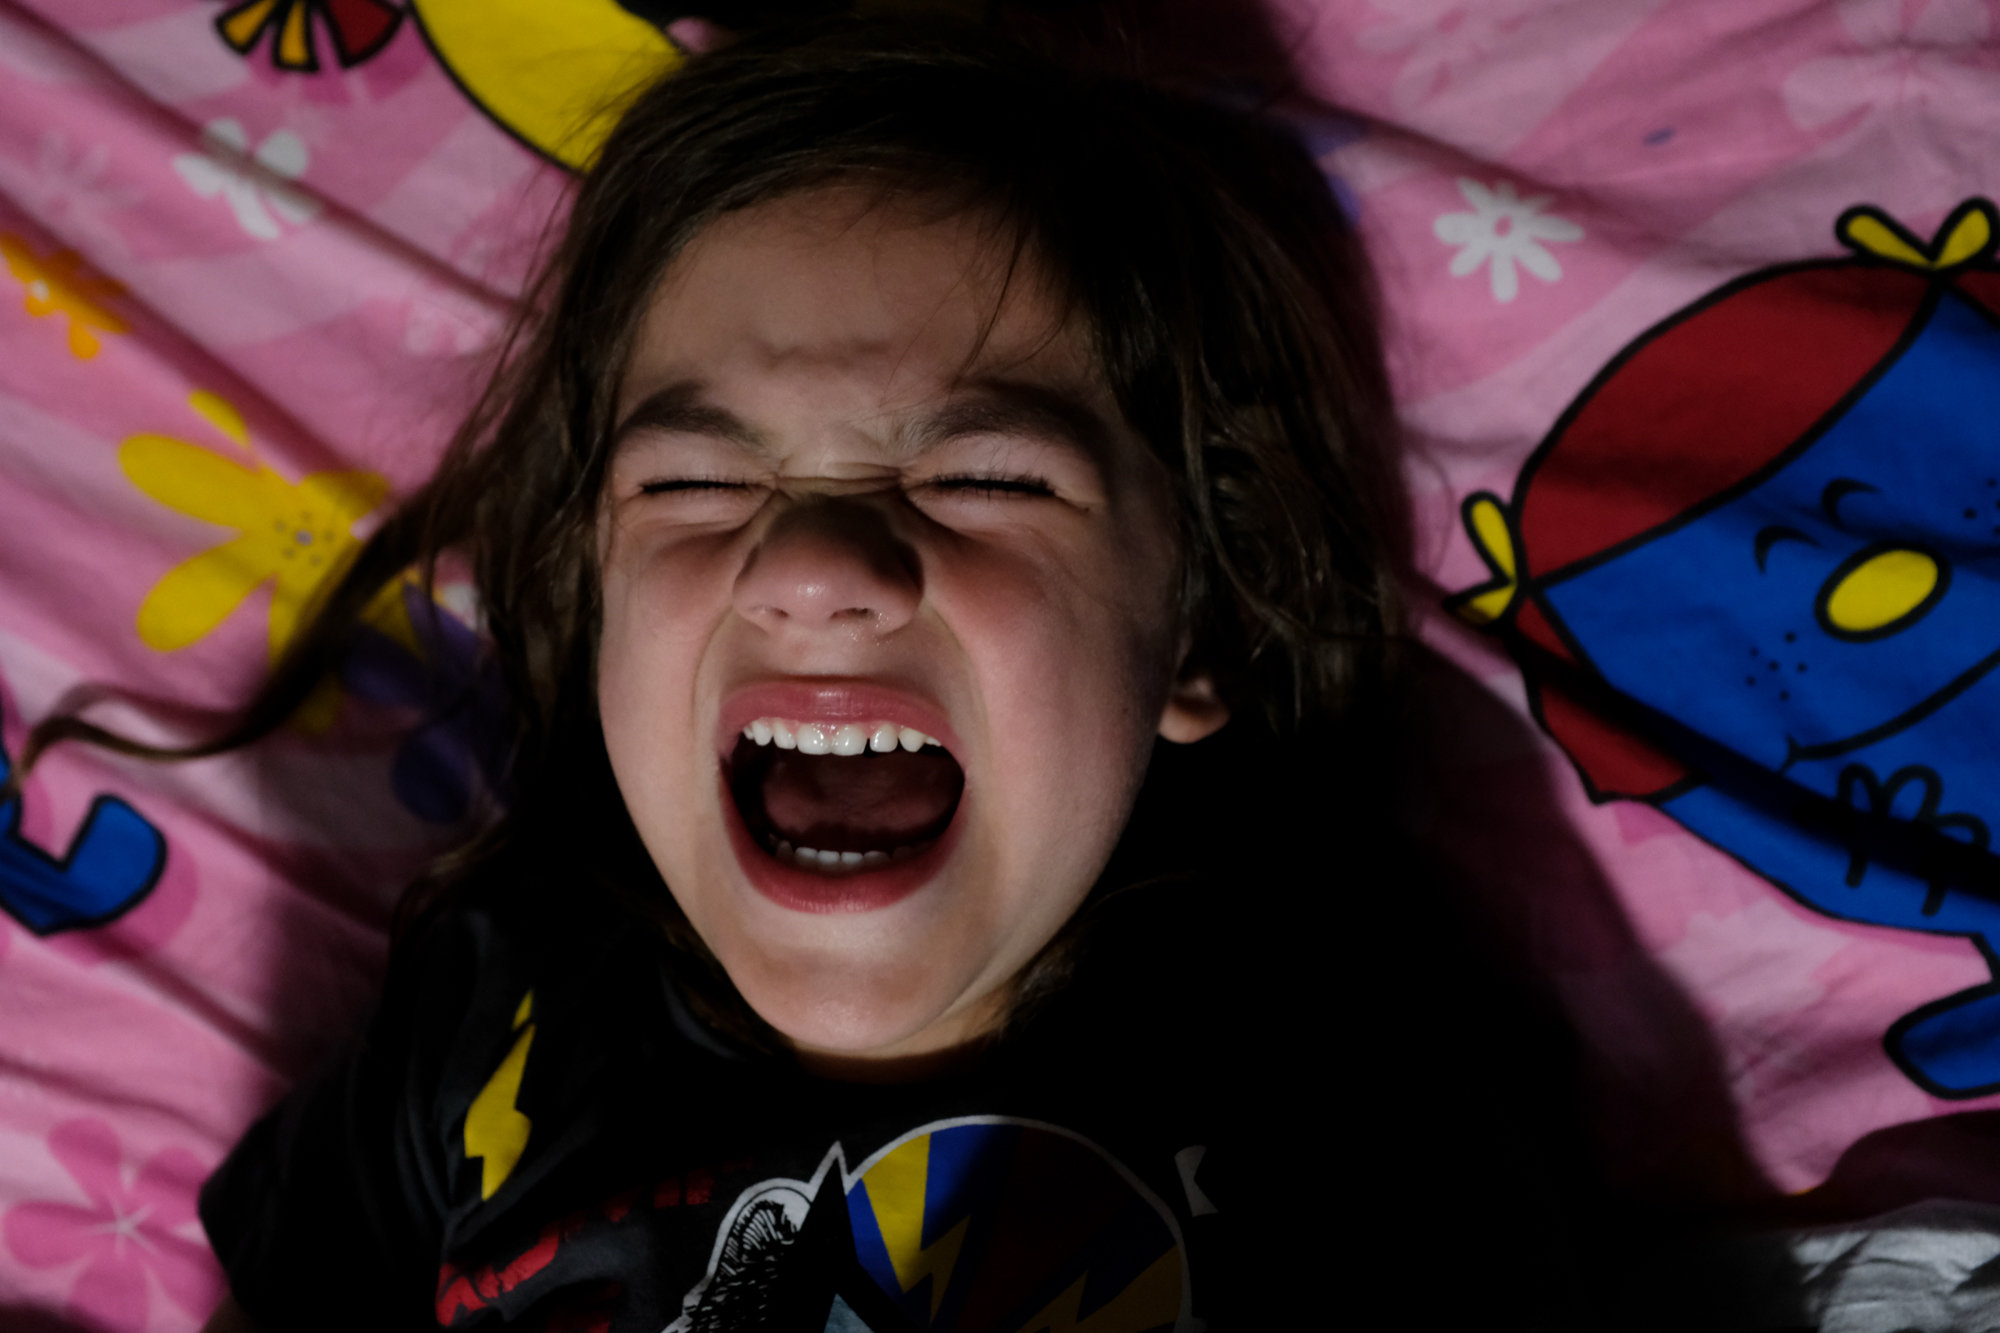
(830, 564)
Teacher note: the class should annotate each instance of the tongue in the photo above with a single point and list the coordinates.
(864, 803)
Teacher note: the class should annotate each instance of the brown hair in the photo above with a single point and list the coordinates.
(1228, 299)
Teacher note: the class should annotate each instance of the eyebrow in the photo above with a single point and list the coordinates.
(1010, 407)
(678, 409)
(998, 407)
(1772, 535)
(1839, 489)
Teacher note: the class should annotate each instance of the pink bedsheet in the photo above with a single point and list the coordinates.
(255, 252)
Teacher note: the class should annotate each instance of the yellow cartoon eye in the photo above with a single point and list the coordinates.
(1881, 590)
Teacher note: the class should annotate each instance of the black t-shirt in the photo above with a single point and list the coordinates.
(536, 1131)
(1274, 1086)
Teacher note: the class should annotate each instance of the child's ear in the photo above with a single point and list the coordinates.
(1195, 708)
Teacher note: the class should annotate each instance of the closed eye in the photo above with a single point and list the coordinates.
(990, 485)
(668, 485)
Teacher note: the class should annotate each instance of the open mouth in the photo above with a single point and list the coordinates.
(838, 798)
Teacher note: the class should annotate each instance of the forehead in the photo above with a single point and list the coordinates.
(889, 296)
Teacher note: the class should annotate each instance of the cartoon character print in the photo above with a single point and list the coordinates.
(112, 862)
(552, 74)
(975, 1225)
(359, 29)
(1753, 578)
(556, 75)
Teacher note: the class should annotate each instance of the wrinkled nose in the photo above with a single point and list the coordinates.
(830, 564)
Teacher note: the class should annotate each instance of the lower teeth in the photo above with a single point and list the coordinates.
(835, 863)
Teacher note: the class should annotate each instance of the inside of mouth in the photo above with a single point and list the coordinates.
(862, 810)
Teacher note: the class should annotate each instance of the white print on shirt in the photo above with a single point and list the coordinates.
(983, 1221)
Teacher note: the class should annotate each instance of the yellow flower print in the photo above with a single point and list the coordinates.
(299, 535)
(59, 282)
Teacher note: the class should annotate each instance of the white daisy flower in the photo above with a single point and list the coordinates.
(253, 185)
(1506, 230)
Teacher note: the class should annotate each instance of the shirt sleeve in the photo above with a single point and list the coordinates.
(329, 1213)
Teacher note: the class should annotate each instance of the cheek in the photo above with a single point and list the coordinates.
(642, 735)
(661, 588)
(1074, 668)
(1128, 608)
(625, 647)
(655, 602)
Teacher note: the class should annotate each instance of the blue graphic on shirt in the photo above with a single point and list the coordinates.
(993, 1224)
(983, 1224)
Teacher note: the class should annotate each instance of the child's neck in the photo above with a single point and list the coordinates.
(950, 1046)
(918, 1068)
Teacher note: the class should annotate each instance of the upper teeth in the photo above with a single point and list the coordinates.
(836, 737)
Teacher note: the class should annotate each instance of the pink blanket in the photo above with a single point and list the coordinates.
(1708, 726)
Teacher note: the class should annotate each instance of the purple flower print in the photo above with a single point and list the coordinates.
(461, 704)
(121, 1234)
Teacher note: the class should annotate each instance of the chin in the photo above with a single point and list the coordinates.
(864, 1020)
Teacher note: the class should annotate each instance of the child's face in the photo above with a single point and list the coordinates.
(855, 487)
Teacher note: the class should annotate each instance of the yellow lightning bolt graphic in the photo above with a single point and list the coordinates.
(1153, 1299)
(896, 1192)
(495, 1132)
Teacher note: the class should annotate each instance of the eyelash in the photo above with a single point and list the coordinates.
(964, 484)
(978, 484)
(674, 484)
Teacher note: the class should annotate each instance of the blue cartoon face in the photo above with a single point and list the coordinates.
(1817, 645)
(1845, 606)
